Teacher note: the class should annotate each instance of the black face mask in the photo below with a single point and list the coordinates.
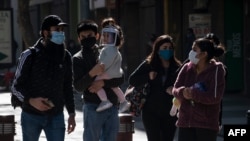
(88, 43)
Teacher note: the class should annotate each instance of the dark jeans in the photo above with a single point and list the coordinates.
(33, 125)
(100, 126)
(196, 134)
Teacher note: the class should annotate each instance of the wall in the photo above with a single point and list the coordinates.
(139, 22)
(246, 44)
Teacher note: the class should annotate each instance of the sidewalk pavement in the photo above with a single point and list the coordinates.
(7, 109)
(234, 112)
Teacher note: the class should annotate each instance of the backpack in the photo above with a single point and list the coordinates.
(15, 102)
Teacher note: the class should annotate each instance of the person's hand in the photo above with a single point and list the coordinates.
(152, 75)
(96, 70)
(71, 124)
(40, 103)
(187, 93)
(169, 90)
(96, 86)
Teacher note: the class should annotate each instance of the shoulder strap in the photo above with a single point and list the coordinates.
(33, 50)
(184, 62)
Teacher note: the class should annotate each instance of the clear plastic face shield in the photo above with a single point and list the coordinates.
(108, 36)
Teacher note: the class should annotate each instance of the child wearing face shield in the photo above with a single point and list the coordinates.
(110, 59)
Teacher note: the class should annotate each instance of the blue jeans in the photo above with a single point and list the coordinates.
(32, 126)
(100, 126)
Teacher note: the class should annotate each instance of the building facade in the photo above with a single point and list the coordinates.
(139, 19)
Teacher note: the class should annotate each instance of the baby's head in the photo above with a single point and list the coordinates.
(111, 34)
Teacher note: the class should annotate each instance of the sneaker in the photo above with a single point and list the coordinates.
(124, 106)
(104, 105)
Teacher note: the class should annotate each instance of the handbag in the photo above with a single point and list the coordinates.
(137, 97)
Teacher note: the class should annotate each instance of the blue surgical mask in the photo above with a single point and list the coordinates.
(166, 54)
(57, 37)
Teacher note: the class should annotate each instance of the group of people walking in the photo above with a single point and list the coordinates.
(45, 80)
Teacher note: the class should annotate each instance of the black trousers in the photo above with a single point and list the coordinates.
(159, 126)
(196, 134)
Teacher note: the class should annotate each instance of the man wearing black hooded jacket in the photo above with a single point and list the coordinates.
(43, 81)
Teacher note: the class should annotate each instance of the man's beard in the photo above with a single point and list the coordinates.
(55, 52)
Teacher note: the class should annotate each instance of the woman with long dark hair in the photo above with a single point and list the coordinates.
(159, 71)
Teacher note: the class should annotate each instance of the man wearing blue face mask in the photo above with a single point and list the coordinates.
(43, 82)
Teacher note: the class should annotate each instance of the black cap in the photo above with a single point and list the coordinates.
(52, 20)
